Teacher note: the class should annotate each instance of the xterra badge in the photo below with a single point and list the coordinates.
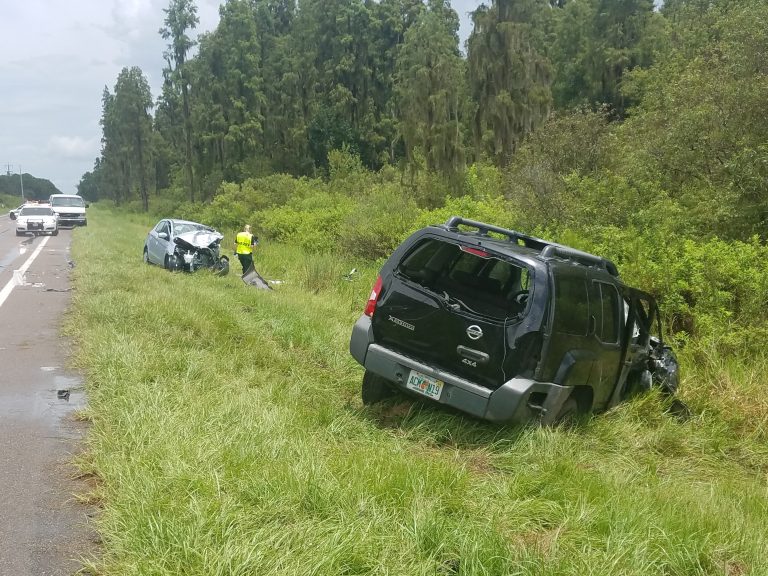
(402, 323)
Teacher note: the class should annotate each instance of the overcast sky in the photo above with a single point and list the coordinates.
(55, 59)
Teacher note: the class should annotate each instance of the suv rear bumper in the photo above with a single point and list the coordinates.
(517, 401)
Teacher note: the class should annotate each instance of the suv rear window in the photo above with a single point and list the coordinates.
(483, 284)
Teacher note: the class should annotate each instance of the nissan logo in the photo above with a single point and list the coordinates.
(474, 332)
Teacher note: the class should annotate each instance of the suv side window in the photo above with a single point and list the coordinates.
(571, 305)
(606, 311)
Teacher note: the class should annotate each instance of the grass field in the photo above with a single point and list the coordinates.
(228, 438)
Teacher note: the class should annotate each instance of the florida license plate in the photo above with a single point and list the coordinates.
(423, 384)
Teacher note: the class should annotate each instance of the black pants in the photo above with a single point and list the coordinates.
(246, 261)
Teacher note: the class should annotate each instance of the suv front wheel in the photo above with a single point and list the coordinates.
(375, 388)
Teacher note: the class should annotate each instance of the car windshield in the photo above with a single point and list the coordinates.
(184, 227)
(36, 211)
(68, 202)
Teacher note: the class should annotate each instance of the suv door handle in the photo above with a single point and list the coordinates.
(472, 354)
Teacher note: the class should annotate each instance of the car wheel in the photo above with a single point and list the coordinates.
(20, 233)
(568, 412)
(222, 266)
(55, 232)
(145, 256)
(167, 262)
(375, 388)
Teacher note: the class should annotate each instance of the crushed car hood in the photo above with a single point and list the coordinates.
(198, 239)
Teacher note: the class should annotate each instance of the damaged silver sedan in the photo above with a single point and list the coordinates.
(184, 245)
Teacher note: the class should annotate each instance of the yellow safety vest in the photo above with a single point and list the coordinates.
(243, 242)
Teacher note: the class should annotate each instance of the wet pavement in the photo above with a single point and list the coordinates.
(44, 530)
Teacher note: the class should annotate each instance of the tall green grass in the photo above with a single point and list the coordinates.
(229, 439)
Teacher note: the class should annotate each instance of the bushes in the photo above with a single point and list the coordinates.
(492, 211)
(381, 219)
(711, 291)
(314, 223)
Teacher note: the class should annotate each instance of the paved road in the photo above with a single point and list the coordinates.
(43, 530)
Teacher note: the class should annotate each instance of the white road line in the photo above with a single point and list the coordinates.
(6, 291)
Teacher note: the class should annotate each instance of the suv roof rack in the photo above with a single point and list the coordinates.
(548, 249)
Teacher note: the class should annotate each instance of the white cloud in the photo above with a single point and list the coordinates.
(74, 147)
(131, 10)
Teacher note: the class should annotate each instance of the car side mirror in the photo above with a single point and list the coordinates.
(163, 235)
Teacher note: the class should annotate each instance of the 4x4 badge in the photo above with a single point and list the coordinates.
(474, 332)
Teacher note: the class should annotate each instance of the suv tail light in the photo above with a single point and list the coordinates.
(373, 298)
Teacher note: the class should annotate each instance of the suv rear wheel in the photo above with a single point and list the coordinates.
(375, 388)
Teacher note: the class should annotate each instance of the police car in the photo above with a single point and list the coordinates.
(37, 219)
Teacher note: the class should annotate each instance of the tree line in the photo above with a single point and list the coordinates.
(26, 185)
(675, 99)
(279, 84)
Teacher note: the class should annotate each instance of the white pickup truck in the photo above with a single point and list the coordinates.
(70, 208)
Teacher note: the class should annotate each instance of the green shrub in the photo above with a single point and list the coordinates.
(483, 181)
(379, 222)
(314, 222)
(711, 293)
(492, 211)
(228, 210)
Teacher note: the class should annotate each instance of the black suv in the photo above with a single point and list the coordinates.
(507, 327)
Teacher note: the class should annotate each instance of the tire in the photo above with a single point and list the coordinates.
(568, 412)
(375, 389)
(222, 268)
(145, 256)
(55, 232)
(20, 233)
(167, 262)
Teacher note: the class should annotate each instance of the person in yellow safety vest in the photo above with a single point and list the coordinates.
(244, 243)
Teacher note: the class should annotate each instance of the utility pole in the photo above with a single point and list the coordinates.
(9, 171)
